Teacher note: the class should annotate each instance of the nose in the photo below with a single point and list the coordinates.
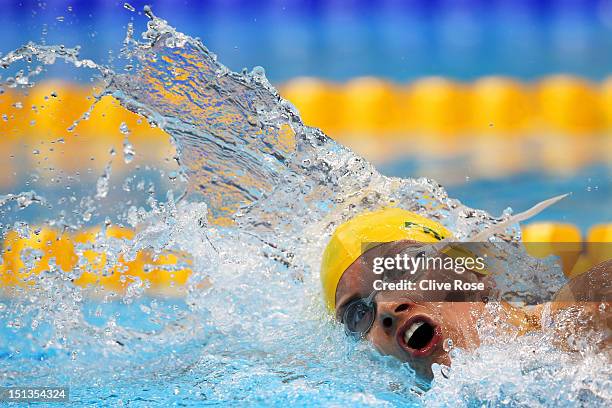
(388, 313)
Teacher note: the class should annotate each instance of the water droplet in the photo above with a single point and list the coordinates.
(102, 182)
(60, 18)
(148, 12)
(23, 200)
(18, 105)
(258, 72)
(128, 6)
(126, 185)
(252, 120)
(123, 128)
(448, 345)
(128, 151)
(445, 371)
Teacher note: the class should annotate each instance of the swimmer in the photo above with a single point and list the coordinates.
(413, 325)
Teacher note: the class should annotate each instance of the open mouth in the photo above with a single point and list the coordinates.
(419, 336)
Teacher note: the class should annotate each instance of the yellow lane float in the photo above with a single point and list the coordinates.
(599, 243)
(97, 270)
(369, 106)
(54, 126)
(606, 102)
(318, 101)
(543, 239)
(437, 106)
(23, 258)
(569, 105)
(169, 272)
(500, 106)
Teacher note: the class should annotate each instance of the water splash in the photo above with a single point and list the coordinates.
(102, 184)
(538, 374)
(24, 200)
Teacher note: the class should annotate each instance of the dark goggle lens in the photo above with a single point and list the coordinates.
(358, 317)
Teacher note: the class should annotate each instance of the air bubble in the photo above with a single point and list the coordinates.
(102, 184)
(124, 129)
(447, 345)
(128, 151)
(445, 371)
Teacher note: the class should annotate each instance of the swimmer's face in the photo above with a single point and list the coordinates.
(413, 331)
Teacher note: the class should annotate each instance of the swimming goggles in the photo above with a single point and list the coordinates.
(358, 316)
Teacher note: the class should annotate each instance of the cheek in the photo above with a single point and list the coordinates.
(460, 326)
(385, 343)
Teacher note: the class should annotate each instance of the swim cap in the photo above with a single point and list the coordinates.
(349, 239)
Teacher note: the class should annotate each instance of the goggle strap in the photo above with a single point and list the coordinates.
(370, 299)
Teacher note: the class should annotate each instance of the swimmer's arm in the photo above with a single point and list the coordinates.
(595, 285)
(582, 307)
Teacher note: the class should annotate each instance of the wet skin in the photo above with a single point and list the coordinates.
(397, 311)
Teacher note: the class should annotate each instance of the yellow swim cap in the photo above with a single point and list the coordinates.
(387, 225)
